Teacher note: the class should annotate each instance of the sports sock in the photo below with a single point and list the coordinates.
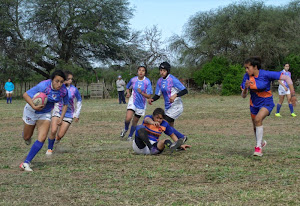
(7, 100)
(127, 125)
(259, 135)
(143, 136)
(178, 134)
(50, 143)
(36, 147)
(278, 108)
(132, 130)
(10, 99)
(291, 108)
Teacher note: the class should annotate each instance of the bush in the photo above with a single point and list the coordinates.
(294, 61)
(212, 73)
(232, 80)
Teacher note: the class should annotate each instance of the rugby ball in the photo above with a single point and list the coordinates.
(40, 98)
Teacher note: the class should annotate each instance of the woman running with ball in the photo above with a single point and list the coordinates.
(40, 115)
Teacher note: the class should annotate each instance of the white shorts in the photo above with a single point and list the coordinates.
(281, 90)
(30, 117)
(175, 110)
(140, 112)
(55, 113)
(145, 150)
(9, 92)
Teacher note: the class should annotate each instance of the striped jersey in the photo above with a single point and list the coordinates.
(155, 132)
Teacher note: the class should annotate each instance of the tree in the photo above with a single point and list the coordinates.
(241, 30)
(41, 34)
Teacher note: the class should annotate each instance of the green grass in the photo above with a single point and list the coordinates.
(92, 166)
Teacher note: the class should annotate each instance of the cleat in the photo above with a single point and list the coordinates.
(277, 115)
(129, 139)
(264, 143)
(123, 133)
(185, 138)
(293, 115)
(258, 152)
(28, 142)
(154, 150)
(49, 152)
(25, 167)
(176, 145)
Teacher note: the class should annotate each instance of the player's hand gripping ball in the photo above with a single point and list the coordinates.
(40, 98)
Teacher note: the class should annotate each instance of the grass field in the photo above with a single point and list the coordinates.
(93, 166)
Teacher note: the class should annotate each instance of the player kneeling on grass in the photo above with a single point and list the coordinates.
(73, 111)
(147, 135)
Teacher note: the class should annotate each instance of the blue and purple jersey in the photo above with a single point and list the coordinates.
(145, 85)
(260, 87)
(74, 106)
(155, 132)
(168, 87)
(286, 73)
(53, 95)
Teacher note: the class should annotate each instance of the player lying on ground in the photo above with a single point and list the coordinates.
(147, 135)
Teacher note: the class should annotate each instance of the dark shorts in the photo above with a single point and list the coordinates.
(255, 110)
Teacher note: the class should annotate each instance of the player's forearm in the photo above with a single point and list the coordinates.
(155, 97)
(78, 109)
(63, 111)
(244, 93)
(289, 82)
(182, 92)
(28, 99)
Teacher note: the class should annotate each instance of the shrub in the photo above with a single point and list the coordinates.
(212, 72)
(232, 80)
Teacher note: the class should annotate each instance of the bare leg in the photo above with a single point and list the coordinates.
(28, 131)
(63, 130)
(43, 129)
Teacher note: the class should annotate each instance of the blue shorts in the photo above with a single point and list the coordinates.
(255, 110)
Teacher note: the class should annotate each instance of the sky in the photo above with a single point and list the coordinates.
(171, 15)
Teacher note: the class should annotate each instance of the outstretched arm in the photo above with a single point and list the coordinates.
(291, 86)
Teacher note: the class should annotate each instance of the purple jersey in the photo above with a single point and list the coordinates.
(53, 95)
(145, 85)
(168, 87)
(74, 97)
(286, 73)
(260, 88)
